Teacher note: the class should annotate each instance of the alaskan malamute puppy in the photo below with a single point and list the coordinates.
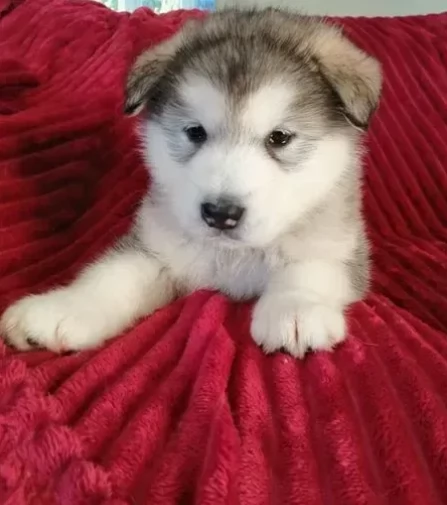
(252, 125)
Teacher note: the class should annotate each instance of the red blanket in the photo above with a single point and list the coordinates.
(185, 409)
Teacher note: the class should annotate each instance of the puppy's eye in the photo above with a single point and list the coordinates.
(279, 138)
(196, 134)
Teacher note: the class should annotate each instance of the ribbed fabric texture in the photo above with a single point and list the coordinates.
(184, 408)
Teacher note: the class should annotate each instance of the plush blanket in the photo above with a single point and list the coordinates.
(184, 408)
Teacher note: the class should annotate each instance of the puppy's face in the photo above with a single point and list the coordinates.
(246, 133)
(243, 168)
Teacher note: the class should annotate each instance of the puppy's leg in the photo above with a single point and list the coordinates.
(303, 308)
(106, 298)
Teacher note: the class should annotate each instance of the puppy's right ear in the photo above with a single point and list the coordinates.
(150, 66)
(146, 71)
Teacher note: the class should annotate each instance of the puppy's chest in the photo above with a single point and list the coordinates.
(238, 273)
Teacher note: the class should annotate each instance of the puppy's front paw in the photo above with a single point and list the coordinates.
(284, 321)
(58, 320)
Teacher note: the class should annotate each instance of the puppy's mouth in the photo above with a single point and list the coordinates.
(227, 237)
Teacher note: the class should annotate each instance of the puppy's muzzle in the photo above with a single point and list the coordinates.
(222, 215)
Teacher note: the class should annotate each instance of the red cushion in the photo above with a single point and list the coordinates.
(184, 408)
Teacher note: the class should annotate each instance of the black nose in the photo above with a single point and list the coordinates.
(223, 215)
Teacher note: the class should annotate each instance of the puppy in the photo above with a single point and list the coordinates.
(252, 124)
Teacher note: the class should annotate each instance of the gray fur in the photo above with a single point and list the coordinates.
(240, 49)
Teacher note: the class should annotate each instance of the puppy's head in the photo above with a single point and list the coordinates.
(254, 118)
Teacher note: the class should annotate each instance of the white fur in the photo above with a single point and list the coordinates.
(106, 298)
(285, 322)
(302, 307)
(301, 278)
(208, 103)
(267, 108)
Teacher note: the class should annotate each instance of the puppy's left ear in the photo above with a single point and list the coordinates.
(355, 76)
(149, 67)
